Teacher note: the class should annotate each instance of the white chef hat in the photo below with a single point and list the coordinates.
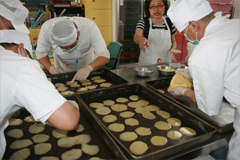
(64, 32)
(17, 37)
(183, 11)
(14, 11)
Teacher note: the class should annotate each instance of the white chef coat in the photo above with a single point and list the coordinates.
(90, 41)
(159, 41)
(24, 84)
(215, 68)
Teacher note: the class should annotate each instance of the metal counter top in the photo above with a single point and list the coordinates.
(217, 141)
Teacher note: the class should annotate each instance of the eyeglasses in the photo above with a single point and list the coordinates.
(159, 6)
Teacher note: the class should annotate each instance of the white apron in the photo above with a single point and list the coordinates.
(159, 41)
(72, 61)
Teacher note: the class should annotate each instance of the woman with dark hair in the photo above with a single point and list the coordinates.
(155, 33)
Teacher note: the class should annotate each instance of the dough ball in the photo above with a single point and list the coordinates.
(72, 154)
(36, 128)
(162, 125)
(42, 148)
(90, 149)
(128, 136)
(174, 134)
(116, 127)
(109, 118)
(39, 138)
(15, 133)
(138, 147)
(158, 140)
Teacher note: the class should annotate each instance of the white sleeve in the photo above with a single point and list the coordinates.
(44, 44)
(36, 93)
(104, 54)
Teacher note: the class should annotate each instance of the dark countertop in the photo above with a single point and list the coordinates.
(217, 141)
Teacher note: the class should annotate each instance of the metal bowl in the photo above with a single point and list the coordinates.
(182, 67)
(143, 71)
(166, 70)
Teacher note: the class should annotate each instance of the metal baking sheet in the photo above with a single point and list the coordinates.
(108, 149)
(203, 129)
(223, 121)
(109, 76)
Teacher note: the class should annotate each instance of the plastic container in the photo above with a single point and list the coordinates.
(32, 21)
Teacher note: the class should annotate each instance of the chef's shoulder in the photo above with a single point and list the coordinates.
(83, 21)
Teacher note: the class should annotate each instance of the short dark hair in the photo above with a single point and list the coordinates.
(147, 3)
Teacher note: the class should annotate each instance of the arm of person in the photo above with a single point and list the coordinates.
(65, 117)
(191, 95)
(140, 40)
(45, 61)
(174, 42)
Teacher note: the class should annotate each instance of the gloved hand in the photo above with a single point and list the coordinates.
(178, 91)
(54, 70)
(74, 103)
(82, 73)
(142, 43)
(185, 73)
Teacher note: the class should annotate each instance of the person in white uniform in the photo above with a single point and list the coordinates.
(214, 64)
(78, 46)
(23, 84)
(155, 34)
(13, 15)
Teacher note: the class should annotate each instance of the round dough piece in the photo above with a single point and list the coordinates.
(148, 115)
(87, 80)
(174, 134)
(131, 122)
(95, 78)
(62, 88)
(121, 100)
(82, 89)
(36, 128)
(158, 140)
(59, 85)
(70, 82)
(30, 119)
(163, 114)
(21, 144)
(72, 154)
(49, 158)
(96, 158)
(66, 142)
(15, 122)
(90, 149)
(162, 125)
(86, 83)
(142, 131)
(140, 110)
(66, 93)
(99, 80)
(82, 139)
(109, 102)
(75, 85)
(21, 154)
(128, 136)
(15, 133)
(126, 114)
(174, 122)
(96, 105)
(42, 148)
(134, 97)
(137, 104)
(119, 107)
(151, 108)
(109, 118)
(103, 110)
(187, 131)
(39, 138)
(116, 127)
(91, 87)
(57, 133)
(160, 90)
(138, 147)
(79, 128)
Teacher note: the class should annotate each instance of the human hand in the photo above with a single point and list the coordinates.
(55, 70)
(185, 73)
(178, 91)
(175, 51)
(142, 43)
(82, 73)
(74, 103)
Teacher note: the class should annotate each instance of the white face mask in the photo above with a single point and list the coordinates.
(2, 23)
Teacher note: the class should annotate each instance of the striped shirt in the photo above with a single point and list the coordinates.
(145, 27)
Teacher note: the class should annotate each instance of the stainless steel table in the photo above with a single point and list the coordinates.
(217, 141)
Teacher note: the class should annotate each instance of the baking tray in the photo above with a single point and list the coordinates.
(223, 121)
(203, 129)
(107, 149)
(106, 74)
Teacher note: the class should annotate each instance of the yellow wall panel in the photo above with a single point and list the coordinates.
(32, 32)
(106, 32)
(101, 4)
(102, 17)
